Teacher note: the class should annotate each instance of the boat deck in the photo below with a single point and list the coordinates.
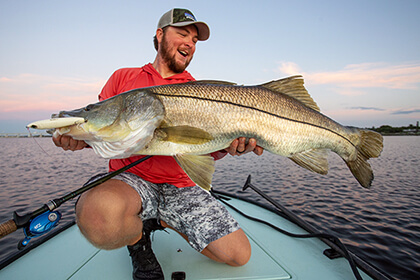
(274, 256)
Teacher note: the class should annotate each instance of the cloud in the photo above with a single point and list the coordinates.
(30, 92)
(366, 108)
(290, 68)
(363, 75)
(406, 112)
(4, 80)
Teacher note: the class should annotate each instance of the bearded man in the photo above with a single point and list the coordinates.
(157, 193)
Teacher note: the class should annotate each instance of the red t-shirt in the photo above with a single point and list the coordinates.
(157, 169)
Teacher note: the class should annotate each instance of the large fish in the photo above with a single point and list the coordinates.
(191, 120)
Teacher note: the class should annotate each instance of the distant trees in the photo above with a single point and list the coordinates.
(387, 129)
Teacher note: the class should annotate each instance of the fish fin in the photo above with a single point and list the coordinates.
(185, 134)
(313, 160)
(371, 145)
(212, 82)
(293, 87)
(361, 170)
(199, 168)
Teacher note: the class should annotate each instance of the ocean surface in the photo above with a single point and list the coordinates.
(381, 224)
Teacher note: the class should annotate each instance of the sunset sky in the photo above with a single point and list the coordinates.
(360, 59)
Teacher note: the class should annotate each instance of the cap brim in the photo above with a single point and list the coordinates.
(203, 29)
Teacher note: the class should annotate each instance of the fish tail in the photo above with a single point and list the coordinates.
(370, 145)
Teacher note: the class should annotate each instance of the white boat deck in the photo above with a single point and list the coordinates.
(274, 256)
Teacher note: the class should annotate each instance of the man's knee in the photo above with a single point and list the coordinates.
(233, 249)
(241, 255)
(240, 259)
(101, 214)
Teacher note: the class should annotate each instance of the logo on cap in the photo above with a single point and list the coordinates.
(189, 16)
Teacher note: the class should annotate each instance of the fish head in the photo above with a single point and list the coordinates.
(98, 117)
(116, 127)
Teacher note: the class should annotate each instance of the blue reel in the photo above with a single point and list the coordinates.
(39, 226)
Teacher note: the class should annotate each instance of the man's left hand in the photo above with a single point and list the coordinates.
(240, 147)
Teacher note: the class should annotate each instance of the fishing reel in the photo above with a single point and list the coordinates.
(38, 226)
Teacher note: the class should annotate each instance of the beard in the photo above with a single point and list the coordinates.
(170, 59)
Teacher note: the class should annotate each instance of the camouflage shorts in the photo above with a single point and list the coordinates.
(191, 210)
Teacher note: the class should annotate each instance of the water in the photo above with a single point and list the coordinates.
(381, 225)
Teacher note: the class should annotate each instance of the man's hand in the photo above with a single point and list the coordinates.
(240, 147)
(68, 143)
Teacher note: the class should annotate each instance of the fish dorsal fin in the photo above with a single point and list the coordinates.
(313, 160)
(185, 134)
(293, 87)
(212, 82)
(199, 168)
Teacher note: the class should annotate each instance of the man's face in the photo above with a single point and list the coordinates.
(177, 47)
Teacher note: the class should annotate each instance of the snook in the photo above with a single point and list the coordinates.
(189, 121)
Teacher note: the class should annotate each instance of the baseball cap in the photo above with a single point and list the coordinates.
(183, 17)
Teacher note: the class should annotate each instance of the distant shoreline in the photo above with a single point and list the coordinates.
(23, 135)
(388, 130)
(400, 134)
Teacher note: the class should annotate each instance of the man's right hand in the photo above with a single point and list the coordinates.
(68, 143)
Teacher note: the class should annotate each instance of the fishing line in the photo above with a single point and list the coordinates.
(42, 149)
(41, 164)
(31, 136)
(59, 152)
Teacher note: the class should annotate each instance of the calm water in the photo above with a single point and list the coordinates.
(381, 225)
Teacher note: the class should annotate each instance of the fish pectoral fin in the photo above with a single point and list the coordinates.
(185, 134)
(199, 168)
(313, 160)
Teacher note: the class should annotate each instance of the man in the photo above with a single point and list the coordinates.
(157, 193)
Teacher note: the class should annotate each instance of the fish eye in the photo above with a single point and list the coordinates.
(89, 107)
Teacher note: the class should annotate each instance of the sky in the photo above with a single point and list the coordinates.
(360, 59)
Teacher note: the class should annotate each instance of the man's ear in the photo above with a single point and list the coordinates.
(159, 35)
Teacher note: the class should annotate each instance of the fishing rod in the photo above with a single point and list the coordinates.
(44, 218)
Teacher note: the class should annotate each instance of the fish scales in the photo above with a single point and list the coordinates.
(228, 112)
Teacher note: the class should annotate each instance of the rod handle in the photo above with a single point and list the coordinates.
(7, 228)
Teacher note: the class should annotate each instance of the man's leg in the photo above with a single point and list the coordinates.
(233, 249)
(205, 223)
(107, 215)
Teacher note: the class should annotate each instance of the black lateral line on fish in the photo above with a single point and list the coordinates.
(259, 110)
